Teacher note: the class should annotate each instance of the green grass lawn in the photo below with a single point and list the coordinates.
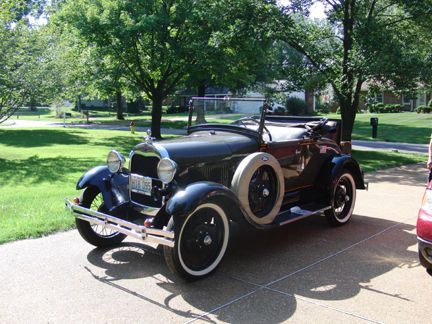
(39, 167)
(407, 127)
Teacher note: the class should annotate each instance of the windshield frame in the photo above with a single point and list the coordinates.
(229, 127)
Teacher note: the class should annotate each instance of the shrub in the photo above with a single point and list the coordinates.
(377, 107)
(295, 106)
(176, 109)
(323, 108)
(58, 107)
(424, 109)
(389, 108)
(279, 111)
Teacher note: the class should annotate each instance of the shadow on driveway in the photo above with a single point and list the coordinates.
(307, 258)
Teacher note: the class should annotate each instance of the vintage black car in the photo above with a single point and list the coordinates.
(250, 167)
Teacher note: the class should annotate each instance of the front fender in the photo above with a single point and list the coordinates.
(186, 201)
(96, 176)
(112, 186)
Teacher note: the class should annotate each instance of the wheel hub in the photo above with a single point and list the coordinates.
(207, 240)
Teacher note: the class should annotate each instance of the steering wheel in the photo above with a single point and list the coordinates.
(242, 122)
(314, 126)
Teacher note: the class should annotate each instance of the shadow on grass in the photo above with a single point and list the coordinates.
(392, 133)
(35, 170)
(377, 160)
(40, 137)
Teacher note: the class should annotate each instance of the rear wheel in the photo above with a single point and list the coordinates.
(201, 240)
(97, 235)
(342, 199)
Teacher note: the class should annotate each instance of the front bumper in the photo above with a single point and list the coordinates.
(139, 232)
(425, 248)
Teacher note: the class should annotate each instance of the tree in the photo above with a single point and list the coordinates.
(236, 53)
(360, 40)
(157, 43)
(20, 53)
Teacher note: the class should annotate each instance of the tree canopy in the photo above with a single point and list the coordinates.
(360, 40)
(160, 43)
(21, 58)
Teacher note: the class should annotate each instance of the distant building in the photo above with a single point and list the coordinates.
(387, 95)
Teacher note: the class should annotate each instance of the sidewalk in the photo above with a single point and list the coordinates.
(389, 146)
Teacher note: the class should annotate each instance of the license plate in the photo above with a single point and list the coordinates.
(141, 184)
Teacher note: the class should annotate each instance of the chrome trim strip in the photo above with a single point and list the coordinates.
(159, 152)
(307, 213)
(139, 232)
(424, 241)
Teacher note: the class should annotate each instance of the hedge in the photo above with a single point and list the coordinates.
(424, 109)
(389, 108)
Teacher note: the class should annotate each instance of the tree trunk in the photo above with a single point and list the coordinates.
(156, 116)
(348, 113)
(79, 103)
(199, 108)
(32, 104)
(119, 105)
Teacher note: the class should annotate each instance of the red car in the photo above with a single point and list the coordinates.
(424, 230)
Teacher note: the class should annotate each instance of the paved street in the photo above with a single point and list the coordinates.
(306, 272)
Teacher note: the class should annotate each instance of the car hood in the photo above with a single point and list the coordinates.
(203, 147)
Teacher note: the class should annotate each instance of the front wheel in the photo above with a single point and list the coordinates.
(425, 263)
(201, 240)
(342, 199)
(94, 234)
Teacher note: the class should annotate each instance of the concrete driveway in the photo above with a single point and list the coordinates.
(306, 272)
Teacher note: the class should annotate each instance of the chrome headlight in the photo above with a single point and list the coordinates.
(115, 161)
(166, 170)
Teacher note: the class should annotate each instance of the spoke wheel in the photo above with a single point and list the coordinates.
(262, 191)
(97, 235)
(102, 231)
(200, 242)
(259, 185)
(343, 200)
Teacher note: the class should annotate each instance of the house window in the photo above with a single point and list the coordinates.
(379, 98)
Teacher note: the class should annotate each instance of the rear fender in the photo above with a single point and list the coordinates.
(186, 201)
(112, 186)
(336, 164)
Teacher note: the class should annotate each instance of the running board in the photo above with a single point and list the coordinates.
(296, 213)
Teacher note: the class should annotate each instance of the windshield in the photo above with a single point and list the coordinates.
(224, 110)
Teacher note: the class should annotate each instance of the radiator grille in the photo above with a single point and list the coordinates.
(217, 173)
(146, 166)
